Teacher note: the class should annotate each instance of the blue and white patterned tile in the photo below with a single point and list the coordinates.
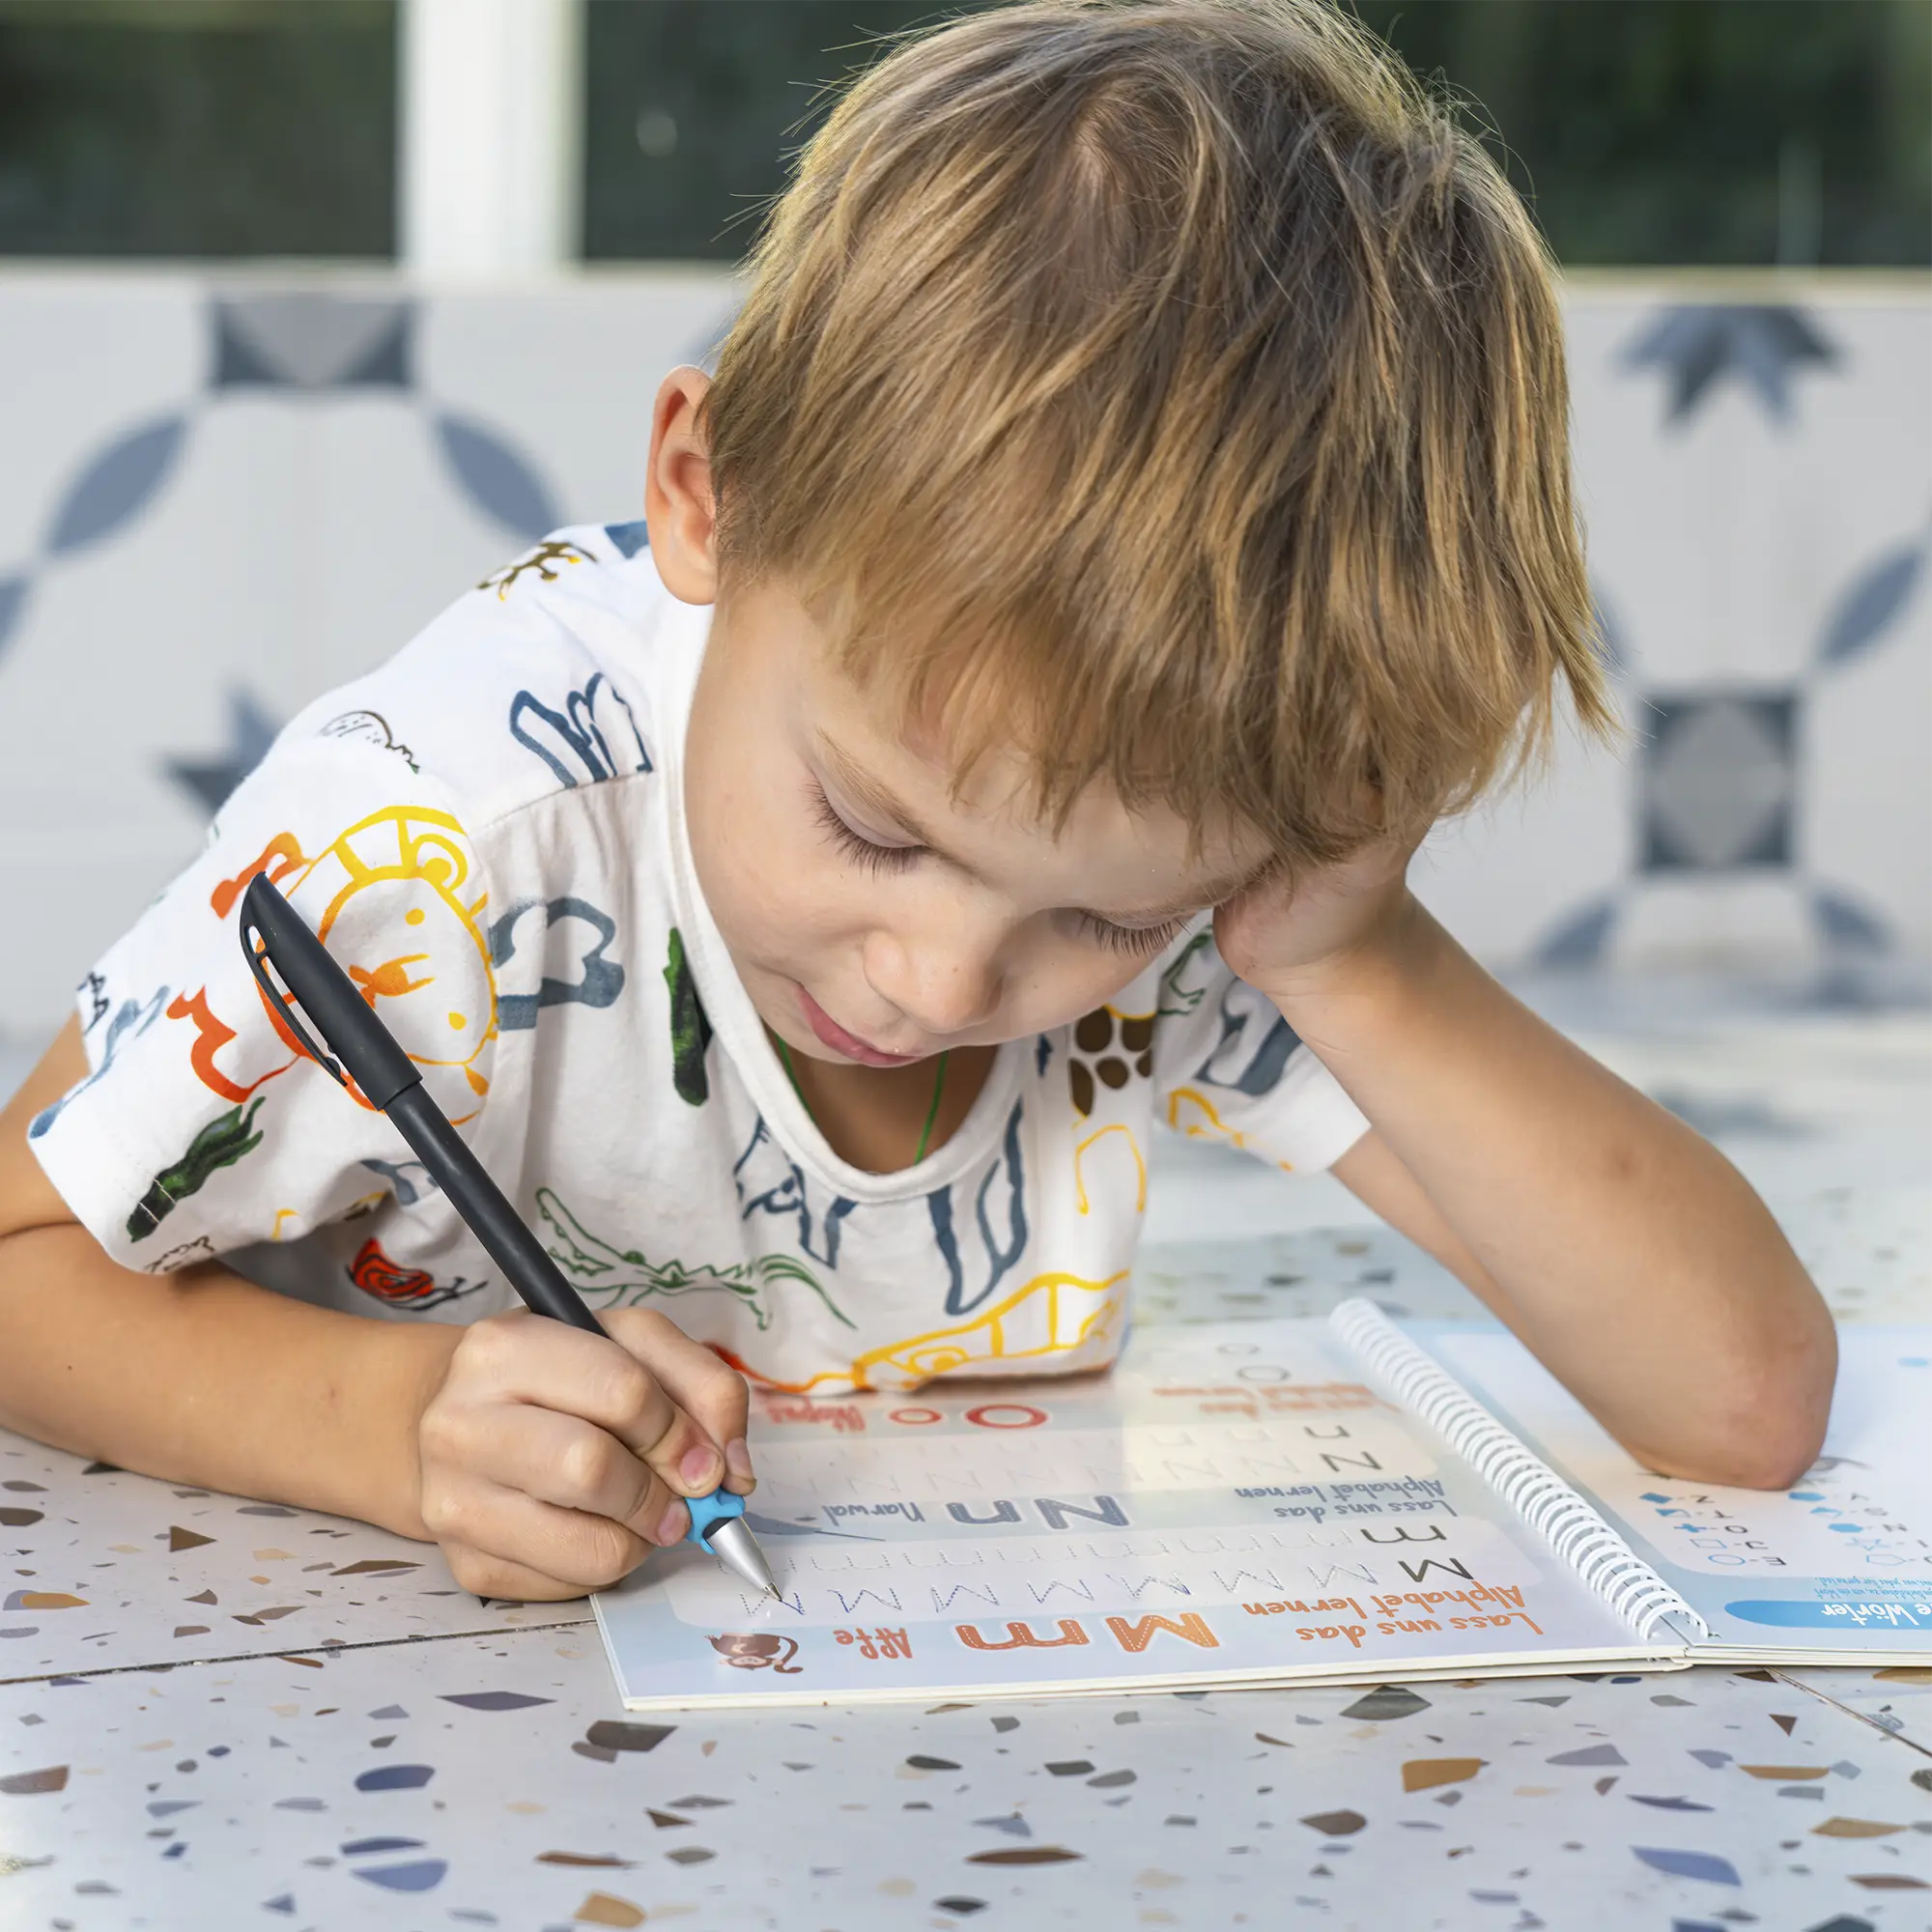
(568, 373)
(86, 356)
(1764, 545)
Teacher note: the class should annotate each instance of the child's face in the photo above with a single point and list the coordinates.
(872, 916)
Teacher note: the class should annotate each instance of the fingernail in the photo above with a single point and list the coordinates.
(698, 1467)
(676, 1521)
(738, 1460)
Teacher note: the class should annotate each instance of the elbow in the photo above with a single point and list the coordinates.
(1774, 1459)
(1772, 1453)
(1772, 1429)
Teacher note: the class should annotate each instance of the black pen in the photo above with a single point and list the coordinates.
(274, 934)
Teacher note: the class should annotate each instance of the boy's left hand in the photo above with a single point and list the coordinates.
(1629, 1255)
(1289, 939)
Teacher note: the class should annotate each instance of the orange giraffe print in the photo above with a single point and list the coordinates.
(212, 1035)
(285, 855)
(396, 843)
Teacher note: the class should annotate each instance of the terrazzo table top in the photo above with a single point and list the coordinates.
(220, 1714)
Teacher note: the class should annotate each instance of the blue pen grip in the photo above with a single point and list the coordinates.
(707, 1511)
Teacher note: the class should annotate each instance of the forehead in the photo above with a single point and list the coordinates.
(959, 755)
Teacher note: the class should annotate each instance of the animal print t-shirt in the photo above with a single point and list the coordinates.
(488, 834)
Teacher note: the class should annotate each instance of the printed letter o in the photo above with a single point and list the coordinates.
(1029, 1416)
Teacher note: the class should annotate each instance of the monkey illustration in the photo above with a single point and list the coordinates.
(757, 1650)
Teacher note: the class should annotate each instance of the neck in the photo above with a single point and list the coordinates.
(874, 1116)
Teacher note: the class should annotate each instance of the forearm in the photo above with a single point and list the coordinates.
(1623, 1249)
(203, 1378)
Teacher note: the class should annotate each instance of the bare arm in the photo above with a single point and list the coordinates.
(1626, 1250)
(199, 1376)
(543, 1460)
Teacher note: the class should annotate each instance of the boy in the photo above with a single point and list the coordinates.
(1132, 505)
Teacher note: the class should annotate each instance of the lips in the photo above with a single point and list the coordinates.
(829, 1032)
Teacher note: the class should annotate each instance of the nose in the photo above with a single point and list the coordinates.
(944, 984)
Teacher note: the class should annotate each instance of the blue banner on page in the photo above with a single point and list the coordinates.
(1793, 1615)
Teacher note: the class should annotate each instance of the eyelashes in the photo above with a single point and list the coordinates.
(1130, 939)
(862, 851)
(877, 859)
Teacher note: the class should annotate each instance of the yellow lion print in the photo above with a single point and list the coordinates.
(1053, 1315)
(425, 960)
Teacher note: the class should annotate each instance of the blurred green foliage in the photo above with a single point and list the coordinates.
(1641, 130)
(1714, 131)
(201, 128)
(1698, 130)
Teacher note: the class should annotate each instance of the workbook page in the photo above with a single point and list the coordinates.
(1839, 1563)
(1232, 1504)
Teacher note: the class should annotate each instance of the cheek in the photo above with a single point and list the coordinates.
(766, 873)
(1060, 979)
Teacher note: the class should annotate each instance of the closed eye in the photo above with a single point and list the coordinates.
(1130, 939)
(870, 856)
(865, 853)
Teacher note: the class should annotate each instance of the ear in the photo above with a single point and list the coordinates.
(678, 503)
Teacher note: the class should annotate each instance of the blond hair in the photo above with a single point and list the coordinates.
(1170, 388)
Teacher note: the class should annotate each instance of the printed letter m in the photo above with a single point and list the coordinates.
(1138, 1634)
(1416, 1572)
(1020, 1636)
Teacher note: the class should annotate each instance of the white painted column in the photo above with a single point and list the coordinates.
(492, 137)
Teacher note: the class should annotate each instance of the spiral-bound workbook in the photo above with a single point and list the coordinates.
(1273, 1503)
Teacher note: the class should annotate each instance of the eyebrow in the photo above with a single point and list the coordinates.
(876, 796)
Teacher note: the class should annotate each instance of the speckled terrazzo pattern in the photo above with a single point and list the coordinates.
(483, 1781)
(1898, 1700)
(104, 1568)
(387, 1770)
(1869, 1249)
(1275, 1277)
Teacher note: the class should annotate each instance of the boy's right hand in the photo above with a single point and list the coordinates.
(553, 1459)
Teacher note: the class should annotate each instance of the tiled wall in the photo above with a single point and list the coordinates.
(1758, 481)
(219, 498)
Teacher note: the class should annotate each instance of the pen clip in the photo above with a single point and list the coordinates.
(274, 933)
(259, 960)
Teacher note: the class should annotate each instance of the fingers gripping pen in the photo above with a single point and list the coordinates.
(274, 934)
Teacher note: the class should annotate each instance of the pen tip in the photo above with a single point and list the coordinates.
(731, 1541)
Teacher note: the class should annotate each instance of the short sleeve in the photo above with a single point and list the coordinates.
(200, 1126)
(1228, 1067)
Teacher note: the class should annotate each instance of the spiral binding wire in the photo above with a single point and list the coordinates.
(1581, 1537)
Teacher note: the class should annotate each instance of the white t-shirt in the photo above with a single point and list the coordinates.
(488, 834)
